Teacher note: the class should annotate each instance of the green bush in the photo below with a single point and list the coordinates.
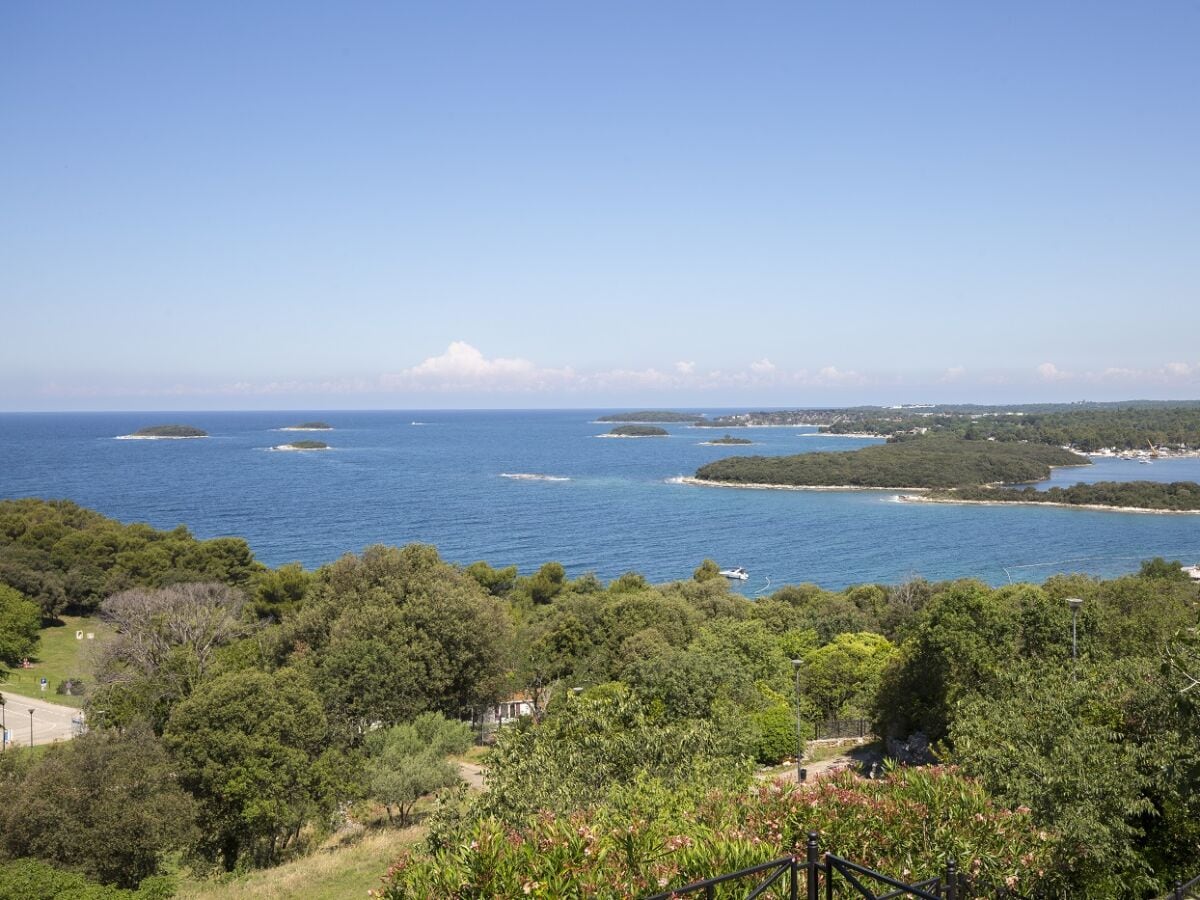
(648, 837)
(28, 879)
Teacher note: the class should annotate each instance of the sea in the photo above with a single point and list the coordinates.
(527, 487)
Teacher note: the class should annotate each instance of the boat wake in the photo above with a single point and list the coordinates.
(533, 476)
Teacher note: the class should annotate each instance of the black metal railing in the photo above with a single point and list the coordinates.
(1185, 890)
(816, 875)
(841, 728)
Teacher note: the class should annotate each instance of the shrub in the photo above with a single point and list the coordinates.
(646, 838)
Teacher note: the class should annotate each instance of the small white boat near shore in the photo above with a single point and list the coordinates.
(737, 573)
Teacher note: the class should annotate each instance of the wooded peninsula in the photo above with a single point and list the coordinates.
(1175, 496)
(925, 463)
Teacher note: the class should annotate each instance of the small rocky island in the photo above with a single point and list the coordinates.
(728, 439)
(637, 431)
(160, 432)
(303, 445)
(309, 426)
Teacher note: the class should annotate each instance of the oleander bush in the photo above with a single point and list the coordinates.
(646, 838)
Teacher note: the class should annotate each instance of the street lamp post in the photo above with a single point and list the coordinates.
(31, 728)
(1074, 603)
(3, 725)
(796, 664)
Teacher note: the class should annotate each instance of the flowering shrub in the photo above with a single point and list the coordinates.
(644, 839)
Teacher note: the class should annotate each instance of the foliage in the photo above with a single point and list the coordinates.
(638, 431)
(20, 621)
(649, 836)
(652, 415)
(166, 643)
(1059, 740)
(406, 762)
(251, 747)
(605, 737)
(105, 804)
(394, 633)
(281, 592)
(1086, 427)
(1177, 496)
(171, 431)
(67, 558)
(29, 879)
(926, 462)
(843, 676)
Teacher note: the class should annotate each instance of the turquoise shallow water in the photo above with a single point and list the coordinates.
(391, 481)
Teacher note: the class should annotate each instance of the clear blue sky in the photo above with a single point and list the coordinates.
(227, 205)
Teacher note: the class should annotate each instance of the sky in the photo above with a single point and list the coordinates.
(542, 204)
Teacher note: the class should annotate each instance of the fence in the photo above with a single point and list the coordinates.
(841, 728)
(789, 878)
(1188, 891)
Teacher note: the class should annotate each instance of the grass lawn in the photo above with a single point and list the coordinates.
(59, 656)
(340, 869)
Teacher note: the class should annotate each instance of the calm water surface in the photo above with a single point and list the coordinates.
(392, 481)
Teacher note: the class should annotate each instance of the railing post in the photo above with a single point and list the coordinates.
(951, 879)
(813, 857)
(794, 888)
(709, 892)
(1178, 892)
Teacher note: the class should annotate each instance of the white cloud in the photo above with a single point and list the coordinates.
(685, 368)
(1050, 372)
(762, 367)
(954, 373)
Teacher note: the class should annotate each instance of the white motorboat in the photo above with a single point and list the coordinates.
(737, 573)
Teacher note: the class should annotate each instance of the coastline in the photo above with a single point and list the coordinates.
(632, 437)
(703, 482)
(1100, 507)
(295, 428)
(848, 434)
(160, 437)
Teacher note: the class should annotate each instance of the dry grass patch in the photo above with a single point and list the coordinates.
(344, 867)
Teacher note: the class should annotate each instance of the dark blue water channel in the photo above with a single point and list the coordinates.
(441, 482)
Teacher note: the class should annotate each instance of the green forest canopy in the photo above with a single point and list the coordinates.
(927, 462)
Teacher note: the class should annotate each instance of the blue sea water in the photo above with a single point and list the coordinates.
(390, 480)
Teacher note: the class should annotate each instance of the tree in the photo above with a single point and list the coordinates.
(1057, 741)
(19, 623)
(250, 747)
(547, 582)
(406, 762)
(843, 676)
(394, 633)
(588, 744)
(707, 571)
(166, 643)
(105, 804)
(281, 591)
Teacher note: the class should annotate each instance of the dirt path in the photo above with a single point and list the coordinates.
(471, 774)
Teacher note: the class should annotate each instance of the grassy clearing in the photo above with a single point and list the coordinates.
(343, 868)
(59, 656)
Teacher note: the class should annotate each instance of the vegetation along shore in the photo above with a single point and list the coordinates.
(244, 718)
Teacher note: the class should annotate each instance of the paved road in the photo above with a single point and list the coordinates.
(51, 721)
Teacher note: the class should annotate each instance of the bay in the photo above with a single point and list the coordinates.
(611, 508)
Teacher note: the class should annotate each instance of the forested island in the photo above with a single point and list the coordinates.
(653, 415)
(728, 439)
(926, 463)
(169, 431)
(309, 426)
(1148, 496)
(303, 445)
(637, 431)
(242, 717)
